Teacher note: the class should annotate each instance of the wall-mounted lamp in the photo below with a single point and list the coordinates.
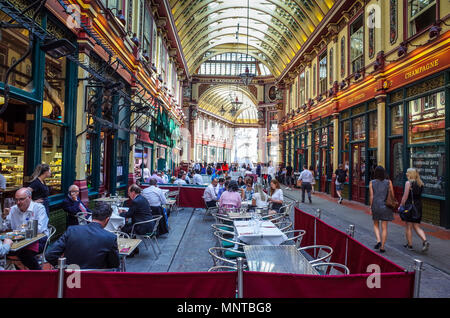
(58, 48)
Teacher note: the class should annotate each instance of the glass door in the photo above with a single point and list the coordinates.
(358, 172)
(397, 168)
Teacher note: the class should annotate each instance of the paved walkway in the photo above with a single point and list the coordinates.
(185, 248)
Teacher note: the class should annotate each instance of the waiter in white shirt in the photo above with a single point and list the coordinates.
(210, 194)
(26, 210)
(307, 178)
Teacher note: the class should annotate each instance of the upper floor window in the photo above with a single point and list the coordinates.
(421, 14)
(357, 44)
(323, 73)
(302, 88)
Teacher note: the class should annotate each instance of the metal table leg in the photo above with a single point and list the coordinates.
(123, 263)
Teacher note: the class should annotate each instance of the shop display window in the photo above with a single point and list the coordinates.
(396, 120)
(345, 135)
(13, 45)
(430, 161)
(359, 128)
(373, 130)
(427, 119)
(52, 149)
(54, 88)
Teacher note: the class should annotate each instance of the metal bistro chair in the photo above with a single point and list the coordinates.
(51, 231)
(149, 236)
(321, 253)
(226, 241)
(222, 268)
(82, 220)
(173, 195)
(121, 234)
(331, 268)
(224, 256)
(297, 236)
(209, 210)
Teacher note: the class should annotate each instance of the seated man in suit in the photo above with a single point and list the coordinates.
(88, 246)
(72, 205)
(139, 211)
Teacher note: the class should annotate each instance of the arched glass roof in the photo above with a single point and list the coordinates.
(217, 96)
(276, 29)
(232, 64)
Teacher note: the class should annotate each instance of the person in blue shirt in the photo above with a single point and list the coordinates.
(217, 175)
(221, 187)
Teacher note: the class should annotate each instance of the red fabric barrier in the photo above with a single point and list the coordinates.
(189, 197)
(155, 285)
(276, 285)
(359, 257)
(304, 221)
(28, 284)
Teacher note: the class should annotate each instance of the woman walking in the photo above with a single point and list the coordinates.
(412, 197)
(379, 189)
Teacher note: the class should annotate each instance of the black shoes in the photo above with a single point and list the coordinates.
(340, 200)
(377, 246)
(408, 247)
(382, 251)
(426, 246)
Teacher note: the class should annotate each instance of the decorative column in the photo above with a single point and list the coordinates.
(381, 130)
(335, 152)
(309, 142)
(80, 131)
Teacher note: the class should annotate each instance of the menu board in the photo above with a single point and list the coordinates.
(430, 162)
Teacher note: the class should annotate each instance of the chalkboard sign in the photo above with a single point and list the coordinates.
(430, 162)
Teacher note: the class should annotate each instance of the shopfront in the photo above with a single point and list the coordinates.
(358, 148)
(38, 124)
(418, 133)
(322, 153)
(301, 148)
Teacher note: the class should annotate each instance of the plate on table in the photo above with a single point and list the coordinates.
(17, 237)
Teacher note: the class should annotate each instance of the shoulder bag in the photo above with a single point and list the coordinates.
(391, 201)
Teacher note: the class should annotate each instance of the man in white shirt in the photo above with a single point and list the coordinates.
(210, 194)
(26, 210)
(180, 180)
(270, 172)
(164, 177)
(307, 178)
(154, 195)
(197, 178)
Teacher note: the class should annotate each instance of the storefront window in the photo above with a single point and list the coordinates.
(52, 148)
(102, 157)
(427, 119)
(359, 128)
(397, 120)
(54, 88)
(345, 135)
(121, 160)
(13, 45)
(430, 162)
(373, 130)
(12, 144)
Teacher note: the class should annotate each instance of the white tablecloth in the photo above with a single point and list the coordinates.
(268, 234)
(115, 221)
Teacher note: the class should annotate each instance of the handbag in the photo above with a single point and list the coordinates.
(391, 201)
(299, 183)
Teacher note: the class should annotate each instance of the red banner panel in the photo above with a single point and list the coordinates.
(154, 285)
(28, 284)
(276, 285)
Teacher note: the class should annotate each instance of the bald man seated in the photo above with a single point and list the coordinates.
(72, 205)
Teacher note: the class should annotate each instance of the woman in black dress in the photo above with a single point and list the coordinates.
(40, 191)
(413, 195)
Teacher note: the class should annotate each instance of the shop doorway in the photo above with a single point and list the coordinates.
(396, 172)
(358, 181)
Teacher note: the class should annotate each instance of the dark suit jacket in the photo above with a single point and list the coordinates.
(89, 246)
(72, 207)
(140, 211)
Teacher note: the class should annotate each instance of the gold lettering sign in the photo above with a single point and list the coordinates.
(422, 69)
(357, 97)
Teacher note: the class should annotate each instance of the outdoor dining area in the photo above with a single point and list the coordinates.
(256, 254)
